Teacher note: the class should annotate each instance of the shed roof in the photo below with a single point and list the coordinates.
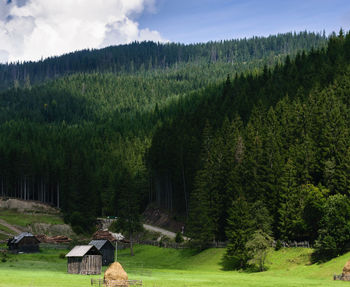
(81, 250)
(100, 243)
(19, 237)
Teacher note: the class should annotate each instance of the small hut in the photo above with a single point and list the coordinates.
(25, 242)
(107, 250)
(84, 259)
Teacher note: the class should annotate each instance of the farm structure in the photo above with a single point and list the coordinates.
(107, 250)
(84, 259)
(24, 242)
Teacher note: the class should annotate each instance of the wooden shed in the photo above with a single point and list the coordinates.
(25, 242)
(84, 259)
(107, 250)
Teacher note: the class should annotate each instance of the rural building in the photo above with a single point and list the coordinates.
(84, 259)
(107, 250)
(25, 242)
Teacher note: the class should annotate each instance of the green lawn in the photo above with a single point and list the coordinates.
(19, 219)
(159, 267)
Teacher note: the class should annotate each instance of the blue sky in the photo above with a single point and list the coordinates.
(35, 29)
(190, 21)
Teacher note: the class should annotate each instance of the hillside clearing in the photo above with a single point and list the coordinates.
(14, 218)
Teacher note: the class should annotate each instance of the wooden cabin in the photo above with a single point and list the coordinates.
(84, 259)
(25, 242)
(107, 250)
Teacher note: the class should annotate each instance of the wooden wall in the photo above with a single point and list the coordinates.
(107, 254)
(26, 245)
(87, 265)
(73, 266)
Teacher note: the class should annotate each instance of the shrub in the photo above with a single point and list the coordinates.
(179, 238)
(278, 245)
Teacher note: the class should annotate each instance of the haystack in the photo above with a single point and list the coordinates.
(115, 272)
(346, 270)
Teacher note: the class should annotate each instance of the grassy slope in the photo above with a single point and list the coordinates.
(5, 229)
(170, 268)
(15, 218)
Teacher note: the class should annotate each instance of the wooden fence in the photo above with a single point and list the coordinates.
(304, 244)
(54, 246)
(115, 283)
(164, 244)
(219, 244)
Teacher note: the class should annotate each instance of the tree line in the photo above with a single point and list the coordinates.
(136, 56)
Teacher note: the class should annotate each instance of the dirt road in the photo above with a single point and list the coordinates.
(165, 232)
(9, 226)
(159, 230)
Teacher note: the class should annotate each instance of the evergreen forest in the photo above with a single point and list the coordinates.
(234, 137)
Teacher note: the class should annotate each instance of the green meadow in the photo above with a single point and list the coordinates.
(159, 267)
(15, 218)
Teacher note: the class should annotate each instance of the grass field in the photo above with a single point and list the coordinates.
(15, 218)
(159, 267)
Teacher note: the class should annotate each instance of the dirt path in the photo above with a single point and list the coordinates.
(162, 231)
(9, 226)
(5, 233)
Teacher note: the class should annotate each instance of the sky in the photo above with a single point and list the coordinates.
(34, 29)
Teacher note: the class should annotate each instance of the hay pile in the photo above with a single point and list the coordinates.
(115, 272)
(346, 270)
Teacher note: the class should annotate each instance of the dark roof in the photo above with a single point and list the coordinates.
(81, 250)
(18, 238)
(100, 243)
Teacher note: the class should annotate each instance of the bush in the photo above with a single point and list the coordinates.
(278, 245)
(179, 238)
(82, 223)
(164, 239)
(4, 257)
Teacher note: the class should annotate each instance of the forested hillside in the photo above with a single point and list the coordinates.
(146, 56)
(109, 131)
(267, 152)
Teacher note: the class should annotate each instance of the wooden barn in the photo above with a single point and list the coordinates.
(25, 242)
(84, 259)
(107, 250)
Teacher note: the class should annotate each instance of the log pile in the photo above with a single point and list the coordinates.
(103, 235)
(54, 239)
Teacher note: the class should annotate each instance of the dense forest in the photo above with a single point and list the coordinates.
(267, 151)
(234, 136)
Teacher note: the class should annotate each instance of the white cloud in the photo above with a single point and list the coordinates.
(34, 29)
